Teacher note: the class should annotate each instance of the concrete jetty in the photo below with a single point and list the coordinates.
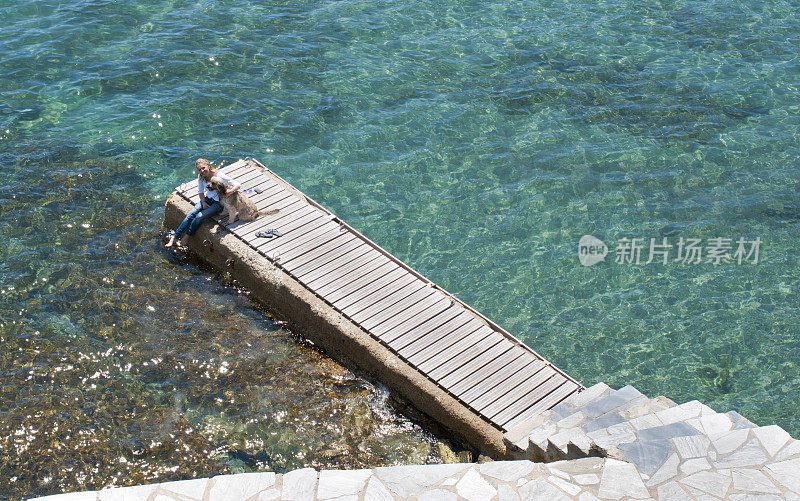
(368, 309)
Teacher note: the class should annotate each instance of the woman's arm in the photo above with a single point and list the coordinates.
(201, 190)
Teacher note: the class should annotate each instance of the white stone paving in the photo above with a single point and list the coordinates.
(602, 444)
(574, 480)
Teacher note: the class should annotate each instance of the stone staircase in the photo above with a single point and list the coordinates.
(677, 449)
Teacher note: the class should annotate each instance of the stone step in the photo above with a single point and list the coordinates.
(561, 432)
(544, 424)
(625, 424)
(581, 399)
(739, 421)
(625, 397)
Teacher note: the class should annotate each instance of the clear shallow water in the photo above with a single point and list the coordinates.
(476, 141)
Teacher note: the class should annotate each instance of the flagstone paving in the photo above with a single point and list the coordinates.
(679, 451)
(599, 444)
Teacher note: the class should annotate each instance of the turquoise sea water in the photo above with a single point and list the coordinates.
(476, 141)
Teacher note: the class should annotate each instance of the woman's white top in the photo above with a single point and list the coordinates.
(202, 186)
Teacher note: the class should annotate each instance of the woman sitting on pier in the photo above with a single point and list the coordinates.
(209, 204)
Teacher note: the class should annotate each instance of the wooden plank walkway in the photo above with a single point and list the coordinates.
(464, 353)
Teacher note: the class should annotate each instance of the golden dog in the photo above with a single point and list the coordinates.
(236, 204)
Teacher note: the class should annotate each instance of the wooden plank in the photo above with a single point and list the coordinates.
(344, 269)
(290, 225)
(333, 237)
(449, 356)
(415, 315)
(480, 401)
(512, 361)
(398, 308)
(248, 230)
(516, 391)
(321, 255)
(455, 361)
(374, 279)
(235, 166)
(435, 335)
(530, 399)
(398, 338)
(297, 241)
(311, 228)
(183, 188)
(331, 283)
(557, 396)
(237, 169)
(285, 223)
(292, 211)
(370, 289)
(307, 264)
(267, 190)
(283, 206)
(444, 342)
(492, 384)
(272, 199)
(245, 176)
(293, 227)
(388, 300)
(473, 359)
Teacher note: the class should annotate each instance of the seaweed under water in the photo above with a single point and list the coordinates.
(123, 363)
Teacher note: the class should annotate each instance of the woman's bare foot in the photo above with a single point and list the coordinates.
(184, 240)
(171, 241)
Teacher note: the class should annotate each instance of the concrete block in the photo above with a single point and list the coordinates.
(620, 479)
(338, 483)
(299, 485)
(786, 473)
(241, 486)
(582, 398)
(693, 446)
(749, 454)
(507, 471)
(666, 472)
(709, 482)
(376, 491)
(728, 442)
(772, 438)
(667, 431)
(753, 481)
(648, 456)
(473, 487)
(612, 401)
(406, 481)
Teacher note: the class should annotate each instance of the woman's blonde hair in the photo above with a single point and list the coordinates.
(203, 161)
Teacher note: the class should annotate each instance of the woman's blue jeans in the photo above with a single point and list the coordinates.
(193, 219)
